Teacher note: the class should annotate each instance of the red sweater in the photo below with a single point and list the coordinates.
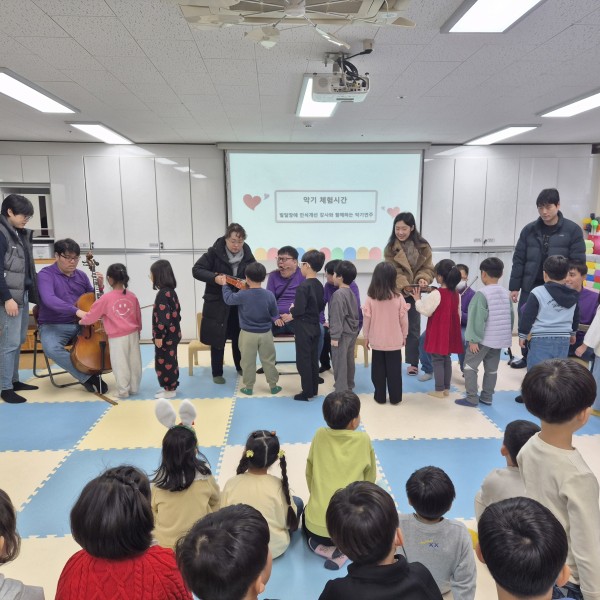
(442, 335)
(151, 576)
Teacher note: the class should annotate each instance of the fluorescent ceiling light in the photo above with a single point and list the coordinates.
(22, 90)
(490, 16)
(574, 108)
(307, 107)
(498, 136)
(102, 133)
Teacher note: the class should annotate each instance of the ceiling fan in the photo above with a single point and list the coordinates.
(212, 14)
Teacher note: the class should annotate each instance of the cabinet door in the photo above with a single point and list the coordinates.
(576, 185)
(535, 174)
(438, 191)
(209, 213)
(174, 206)
(10, 169)
(68, 202)
(35, 169)
(138, 267)
(182, 264)
(103, 186)
(501, 190)
(469, 202)
(138, 189)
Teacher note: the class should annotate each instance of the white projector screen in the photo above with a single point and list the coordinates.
(341, 204)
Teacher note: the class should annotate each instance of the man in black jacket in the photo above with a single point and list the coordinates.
(549, 235)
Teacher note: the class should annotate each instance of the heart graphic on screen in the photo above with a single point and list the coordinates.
(251, 201)
(390, 211)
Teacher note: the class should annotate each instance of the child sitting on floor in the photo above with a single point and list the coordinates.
(444, 546)
(338, 455)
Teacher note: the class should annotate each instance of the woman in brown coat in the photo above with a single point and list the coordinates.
(411, 256)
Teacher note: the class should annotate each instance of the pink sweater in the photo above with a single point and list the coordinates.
(119, 312)
(385, 323)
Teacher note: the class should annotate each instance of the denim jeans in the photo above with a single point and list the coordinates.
(544, 348)
(13, 332)
(570, 590)
(54, 339)
(425, 357)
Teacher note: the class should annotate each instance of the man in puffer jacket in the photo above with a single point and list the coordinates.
(549, 235)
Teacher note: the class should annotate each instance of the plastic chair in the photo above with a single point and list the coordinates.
(195, 346)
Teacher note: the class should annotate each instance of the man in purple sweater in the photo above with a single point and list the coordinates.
(283, 284)
(60, 285)
(588, 303)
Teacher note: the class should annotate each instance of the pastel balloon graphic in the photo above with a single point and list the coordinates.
(326, 252)
(272, 254)
(251, 201)
(375, 254)
(393, 211)
(260, 254)
(337, 254)
(350, 254)
(362, 253)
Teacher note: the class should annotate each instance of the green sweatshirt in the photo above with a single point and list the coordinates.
(337, 457)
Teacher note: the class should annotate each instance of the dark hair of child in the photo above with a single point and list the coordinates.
(331, 265)
(180, 460)
(362, 521)
(289, 250)
(339, 408)
(516, 435)
(523, 545)
(383, 282)
(8, 529)
(67, 245)
(408, 219)
(493, 266)
(118, 273)
(112, 518)
(346, 270)
(556, 267)
(261, 451)
(578, 266)
(548, 196)
(224, 552)
(462, 267)
(18, 204)
(430, 492)
(162, 275)
(256, 272)
(315, 259)
(557, 390)
(235, 228)
(446, 269)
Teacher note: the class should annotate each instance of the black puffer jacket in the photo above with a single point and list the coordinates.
(215, 312)
(567, 241)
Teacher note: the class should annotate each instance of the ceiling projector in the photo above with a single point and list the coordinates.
(328, 87)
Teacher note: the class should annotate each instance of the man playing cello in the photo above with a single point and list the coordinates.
(60, 285)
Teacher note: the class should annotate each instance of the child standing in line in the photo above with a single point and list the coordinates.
(122, 319)
(442, 336)
(444, 546)
(560, 393)
(308, 304)
(328, 290)
(183, 489)
(343, 326)
(338, 456)
(268, 494)
(592, 340)
(507, 482)
(489, 329)
(257, 310)
(166, 331)
(10, 544)
(385, 328)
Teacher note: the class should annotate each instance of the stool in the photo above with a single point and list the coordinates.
(360, 341)
(196, 346)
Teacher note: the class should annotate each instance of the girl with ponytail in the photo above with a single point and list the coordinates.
(442, 336)
(122, 319)
(270, 495)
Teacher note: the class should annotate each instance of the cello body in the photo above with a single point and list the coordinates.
(90, 353)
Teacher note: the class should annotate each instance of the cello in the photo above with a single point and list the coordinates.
(90, 353)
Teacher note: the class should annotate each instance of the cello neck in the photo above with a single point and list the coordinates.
(91, 263)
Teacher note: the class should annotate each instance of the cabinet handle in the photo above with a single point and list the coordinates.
(162, 246)
(92, 245)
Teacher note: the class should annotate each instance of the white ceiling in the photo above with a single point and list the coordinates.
(137, 67)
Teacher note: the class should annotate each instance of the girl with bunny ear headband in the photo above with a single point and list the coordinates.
(183, 489)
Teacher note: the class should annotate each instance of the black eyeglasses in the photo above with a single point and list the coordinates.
(72, 259)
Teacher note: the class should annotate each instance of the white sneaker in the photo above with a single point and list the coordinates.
(165, 394)
(425, 376)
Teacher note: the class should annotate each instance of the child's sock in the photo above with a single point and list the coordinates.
(247, 391)
(276, 389)
(320, 549)
(436, 394)
(337, 561)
